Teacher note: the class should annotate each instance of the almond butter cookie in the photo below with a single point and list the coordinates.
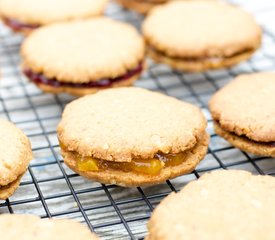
(200, 35)
(132, 137)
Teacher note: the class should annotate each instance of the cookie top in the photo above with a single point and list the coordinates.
(84, 50)
(15, 152)
(192, 29)
(220, 205)
(246, 106)
(33, 228)
(49, 11)
(125, 123)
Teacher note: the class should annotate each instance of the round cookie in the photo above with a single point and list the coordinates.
(140, 6)
(14, 226)
(200, 35)
(243, 113)
(227, 205)
(132, 137)
(15, 155)
(84, 56)
(27, 15)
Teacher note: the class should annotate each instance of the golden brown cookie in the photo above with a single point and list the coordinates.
(132, 137)
(30, 227)
(244, 113)
(84, 56)
(27, 15)
(15, 155)
(140, 6)
(227, 205)
(200, 35)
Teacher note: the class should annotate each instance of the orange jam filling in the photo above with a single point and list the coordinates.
(151, 166)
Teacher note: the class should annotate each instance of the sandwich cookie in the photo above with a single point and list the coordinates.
(132, 137)
(15, 155)
(27, 15)
(14, 226)
(200, 35)
(84, 56)
(244, 113)
(229, 205)
(141, 6)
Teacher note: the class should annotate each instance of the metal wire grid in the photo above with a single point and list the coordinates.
(50, 189)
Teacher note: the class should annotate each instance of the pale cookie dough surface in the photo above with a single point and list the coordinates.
(132, 179)
(83, 51)
(15, 152)
(29, 227)
(227, 205)
(49, 11)
(125, 123)
(246, 106)
(201, 29)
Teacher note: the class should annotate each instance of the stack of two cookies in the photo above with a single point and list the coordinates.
(71, 48)
(132, 137)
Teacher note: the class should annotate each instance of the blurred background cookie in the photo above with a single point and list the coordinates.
(200, 35)
(14, 226)
(15, 155)
(227, 205)
(26, 15)
(132, 137)
(82, 57)
(244, 113)
(141, 6)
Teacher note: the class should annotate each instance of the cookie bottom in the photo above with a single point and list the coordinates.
(133, 179)
(83, 91)
(140, 6)
(8, 190)
(245, 144)
(200, 64)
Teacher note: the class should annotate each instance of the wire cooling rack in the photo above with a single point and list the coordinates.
(50, 189)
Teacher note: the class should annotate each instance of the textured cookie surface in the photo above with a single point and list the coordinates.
(246, 106)
(49, 11)
(194, 29)
(220, 205)
(30, 227)
(83, 51)
(125, 123)
(15, 152)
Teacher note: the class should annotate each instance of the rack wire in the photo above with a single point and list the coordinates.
(51, 190)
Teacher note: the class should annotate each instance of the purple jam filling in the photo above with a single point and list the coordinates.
(39, 78)
(18, 26)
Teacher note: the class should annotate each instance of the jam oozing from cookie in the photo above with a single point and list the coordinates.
(39, 78)
(17, 26)
(151, 166)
